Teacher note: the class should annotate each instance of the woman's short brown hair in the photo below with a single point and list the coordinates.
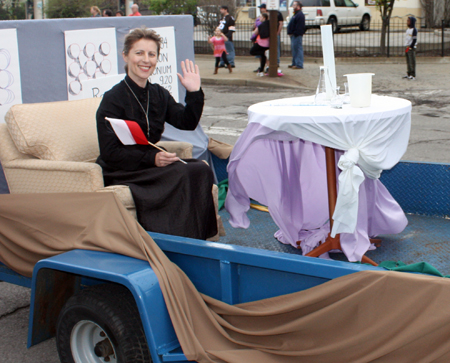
(137, 34)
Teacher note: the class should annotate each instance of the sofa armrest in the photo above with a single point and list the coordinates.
(181, 148)
(45, 176)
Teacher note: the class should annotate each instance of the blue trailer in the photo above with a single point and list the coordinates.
(101, 306)
(234, 275)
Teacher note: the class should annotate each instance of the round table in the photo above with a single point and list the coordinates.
(281, 153)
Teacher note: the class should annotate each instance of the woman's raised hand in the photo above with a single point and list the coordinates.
(191, 76)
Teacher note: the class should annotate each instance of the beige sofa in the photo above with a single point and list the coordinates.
(52, 147)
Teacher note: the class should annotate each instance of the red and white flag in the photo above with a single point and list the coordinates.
(129, 132)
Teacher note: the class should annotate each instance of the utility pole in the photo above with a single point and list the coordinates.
(273, 47)
(38, 6)
(273, 7)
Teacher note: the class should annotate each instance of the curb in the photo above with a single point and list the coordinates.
(391, 60)
(246, 83)
(351, 60)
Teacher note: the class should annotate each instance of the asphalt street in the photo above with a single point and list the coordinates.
(225, 117)
(228, 96)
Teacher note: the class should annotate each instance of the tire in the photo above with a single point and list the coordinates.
(334, 24)
(365, 23)
(101, 320)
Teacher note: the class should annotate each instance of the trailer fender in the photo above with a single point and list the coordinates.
(57, 278)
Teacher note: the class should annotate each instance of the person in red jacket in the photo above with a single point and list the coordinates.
(135, 10)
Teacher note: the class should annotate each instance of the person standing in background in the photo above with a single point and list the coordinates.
(410, 51)
(227, 27)
(280, 20)
(95, 12)
(255, 26)
(107, 12)
(135, 10)
(119, 13)
(296, 29)
(262, 42)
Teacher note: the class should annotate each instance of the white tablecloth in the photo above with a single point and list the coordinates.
(374, 137)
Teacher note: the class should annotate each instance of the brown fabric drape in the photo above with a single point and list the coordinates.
(371, 316)
(221, 149)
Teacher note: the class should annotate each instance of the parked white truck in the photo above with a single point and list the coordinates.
(338, 13)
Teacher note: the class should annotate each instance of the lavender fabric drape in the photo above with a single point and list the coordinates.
(374, 139)
(289, 176)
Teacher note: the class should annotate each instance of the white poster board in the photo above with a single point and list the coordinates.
(10, 86)
(328, 58)
(97, 87)
(165, 73)
(90, 54)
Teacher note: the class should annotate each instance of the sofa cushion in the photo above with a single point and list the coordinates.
(62, 131)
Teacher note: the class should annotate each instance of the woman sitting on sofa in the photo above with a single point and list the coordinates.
(170, 197)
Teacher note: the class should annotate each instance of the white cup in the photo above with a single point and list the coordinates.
(360, 87)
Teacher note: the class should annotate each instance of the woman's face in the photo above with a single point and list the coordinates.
(141, 60)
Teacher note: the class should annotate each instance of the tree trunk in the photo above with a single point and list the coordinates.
(384, 26)
(447, 12)
(386, 12)
(430, 15)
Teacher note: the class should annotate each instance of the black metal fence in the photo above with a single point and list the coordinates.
(348, 42)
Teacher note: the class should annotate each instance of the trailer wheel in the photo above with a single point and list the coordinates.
(101, 324)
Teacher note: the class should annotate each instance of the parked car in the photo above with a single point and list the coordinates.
(338, 13)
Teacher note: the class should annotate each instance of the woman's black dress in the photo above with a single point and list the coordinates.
(175, 199)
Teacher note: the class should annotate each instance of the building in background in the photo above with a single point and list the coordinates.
(402, 8)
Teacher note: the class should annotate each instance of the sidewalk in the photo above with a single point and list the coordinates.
(243, 74)
(432, 73)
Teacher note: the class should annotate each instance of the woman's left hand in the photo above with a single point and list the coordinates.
(191, 76)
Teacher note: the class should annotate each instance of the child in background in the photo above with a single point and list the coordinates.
(218, 41)
(410, 51)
